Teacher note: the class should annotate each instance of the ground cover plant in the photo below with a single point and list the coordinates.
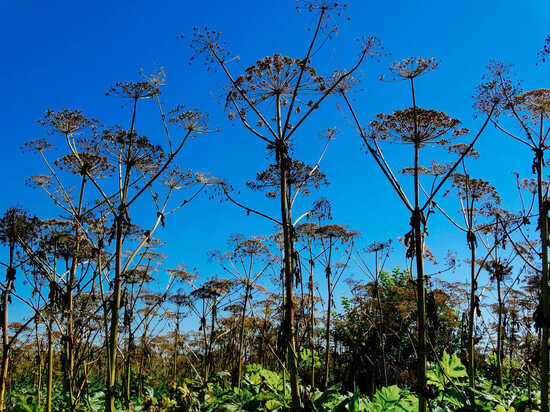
(299, 310)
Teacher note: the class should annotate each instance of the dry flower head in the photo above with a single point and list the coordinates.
(432, 127)
(412, 67)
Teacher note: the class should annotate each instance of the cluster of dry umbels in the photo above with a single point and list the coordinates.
(290, 85)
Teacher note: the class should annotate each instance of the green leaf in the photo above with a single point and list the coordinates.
(329, 398)
(254, 379)
(455, 397)
(25, 404)
(452, 366)
(267, 396)
(501, 408)
(272, 380)
(448, 368)
(253, 367)
(408, 404)
(234, 401)
(272, 405)
(390, 399)
(387, 397)
(306, 358)
(149, 392)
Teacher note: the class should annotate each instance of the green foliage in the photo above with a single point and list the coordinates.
(25, 403)
(392, 399)
(448, 369)
(396, 277)
(265, 390)
(264, 378)
(507, 366)
(306, 358)
(96, 401)
(329, 400)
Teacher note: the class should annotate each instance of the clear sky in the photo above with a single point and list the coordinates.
(66, 54)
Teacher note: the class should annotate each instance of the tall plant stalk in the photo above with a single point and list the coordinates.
(419, 128)
(529, 110)
(286, 222)
(287, 80)
(246, 261)
(10, 277)
(16, 227)
(137, 164)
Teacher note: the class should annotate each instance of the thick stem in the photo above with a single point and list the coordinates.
(327, 344)
(421, 313)
(210, 359)
(289, 281)
(69, 372)
(39, 367)
(121, 218)
(381, 335)
(129, 356)
(5, 324)
(312, 321)
(241, 337)
(205, 338)
(330, 290)
(50, 368)
(421, 289)
(471, 322)
(4, 377)
(328, 271)
(69, 341)
(499, 334)
(115, 312)
(50, 337)
(176, 343)
(545, 302)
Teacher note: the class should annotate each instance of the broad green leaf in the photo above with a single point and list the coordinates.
(329, 399)
(234, 401)
(253, 367)
(387, 397)
(448, 368)
(454, 397)
(266, 396)
(408, 404)
(452, 366)
(253, 379)
(390, 399)
(272, 379)
(272, 405)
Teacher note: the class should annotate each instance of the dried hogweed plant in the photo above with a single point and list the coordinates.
(526, 121)
(113, 168)
(475, 196)
(381, 251)
(272, 99)
(247, 261)
(17, 228)
(419, 128)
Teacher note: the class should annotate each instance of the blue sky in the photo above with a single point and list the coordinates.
(66, 54)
